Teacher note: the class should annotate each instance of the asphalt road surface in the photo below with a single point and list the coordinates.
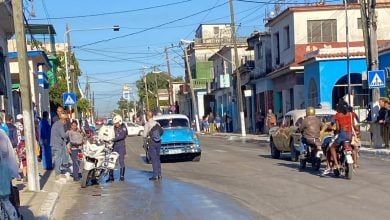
(233, 180)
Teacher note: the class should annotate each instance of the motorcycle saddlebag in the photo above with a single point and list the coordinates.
(112, 160)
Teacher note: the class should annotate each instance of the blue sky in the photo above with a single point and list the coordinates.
(110, 64)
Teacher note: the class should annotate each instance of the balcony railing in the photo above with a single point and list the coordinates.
(223, 41)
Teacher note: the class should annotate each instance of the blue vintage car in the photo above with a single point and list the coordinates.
(178, 140)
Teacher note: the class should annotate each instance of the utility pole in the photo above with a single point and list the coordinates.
(366, 36)
(374, 62)
(370, 41)
(347, 46)
(157, 97)
(146, 91)
(239, 92)
(170, 92)
(25, 90)
(72, 74)
(194, 105)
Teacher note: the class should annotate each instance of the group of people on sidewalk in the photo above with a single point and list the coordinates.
(210, 123)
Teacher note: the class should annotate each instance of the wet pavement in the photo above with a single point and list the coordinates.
(139, 198)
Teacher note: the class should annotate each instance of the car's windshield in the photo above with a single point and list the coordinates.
(326, 118)
(174, 122)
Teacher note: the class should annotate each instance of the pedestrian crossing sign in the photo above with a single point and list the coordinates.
(376, 79)
(69, 99)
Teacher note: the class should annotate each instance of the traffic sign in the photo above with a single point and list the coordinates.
(376, 79)
(69, 99)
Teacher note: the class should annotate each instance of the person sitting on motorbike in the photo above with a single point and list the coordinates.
(344, 125)
(311, 128)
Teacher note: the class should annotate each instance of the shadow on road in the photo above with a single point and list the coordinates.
(295, 166)
(44, 178)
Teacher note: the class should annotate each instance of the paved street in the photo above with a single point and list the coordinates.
(233, 180)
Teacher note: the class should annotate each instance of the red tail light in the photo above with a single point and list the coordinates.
(347, 146)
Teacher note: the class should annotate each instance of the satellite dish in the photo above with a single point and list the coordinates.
(271, 14)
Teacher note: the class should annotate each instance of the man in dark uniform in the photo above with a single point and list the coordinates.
(119, 146)
(154, 145)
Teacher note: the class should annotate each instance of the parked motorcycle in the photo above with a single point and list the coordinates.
(98, 157)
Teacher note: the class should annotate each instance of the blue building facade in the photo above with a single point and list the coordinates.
(326, 80)
(384, 64)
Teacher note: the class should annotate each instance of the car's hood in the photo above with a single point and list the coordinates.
(177, 135)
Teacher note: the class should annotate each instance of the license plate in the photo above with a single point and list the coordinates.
(176, 151)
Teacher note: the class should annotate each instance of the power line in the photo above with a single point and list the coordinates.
(132, 58)
(118, 52)
(46, 12)
(157, 26)
(114, 12)
(202, 20)
(282, 3)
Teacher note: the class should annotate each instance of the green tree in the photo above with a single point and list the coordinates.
(56, 91)
(124, 107)
(154, 81)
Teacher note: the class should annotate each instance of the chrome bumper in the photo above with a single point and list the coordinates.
(172, 150)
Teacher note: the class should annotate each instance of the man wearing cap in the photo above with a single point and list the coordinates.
(58, 139)
(381, 120)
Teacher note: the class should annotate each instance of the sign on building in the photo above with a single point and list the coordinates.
(224, 81)
(69, 99)
(376, 79)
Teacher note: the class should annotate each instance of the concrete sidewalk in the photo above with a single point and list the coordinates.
(365, 149)
(40, 205)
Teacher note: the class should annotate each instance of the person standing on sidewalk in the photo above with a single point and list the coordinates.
(58, 139)
(8, 171)
(387, 124)
(119, 146)
(211, 122)
(217, 122)
(381, 120)
(75, 146)
(13, 131)
(154, 145)
(259, 122)
(271, 119)
(44, 141)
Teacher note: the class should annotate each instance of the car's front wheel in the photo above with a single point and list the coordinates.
(196, 158)
(275, 153)
(140, 133)
(294, 152)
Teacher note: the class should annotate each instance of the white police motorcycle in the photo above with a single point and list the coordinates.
(99, 157)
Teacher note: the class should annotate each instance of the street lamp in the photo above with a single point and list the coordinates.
(67, 40)
(194, 103)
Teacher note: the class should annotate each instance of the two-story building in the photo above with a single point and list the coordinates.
(302, 29)
(42, 61)
(261, 99)
(6, 32)
(223, 86)
(209, 38)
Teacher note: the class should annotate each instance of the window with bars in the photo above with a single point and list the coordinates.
(286, 36)
(313, 94)
(322, 30)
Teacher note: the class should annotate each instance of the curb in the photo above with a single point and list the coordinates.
(47, 207)
(375, 152)
(364, 150)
